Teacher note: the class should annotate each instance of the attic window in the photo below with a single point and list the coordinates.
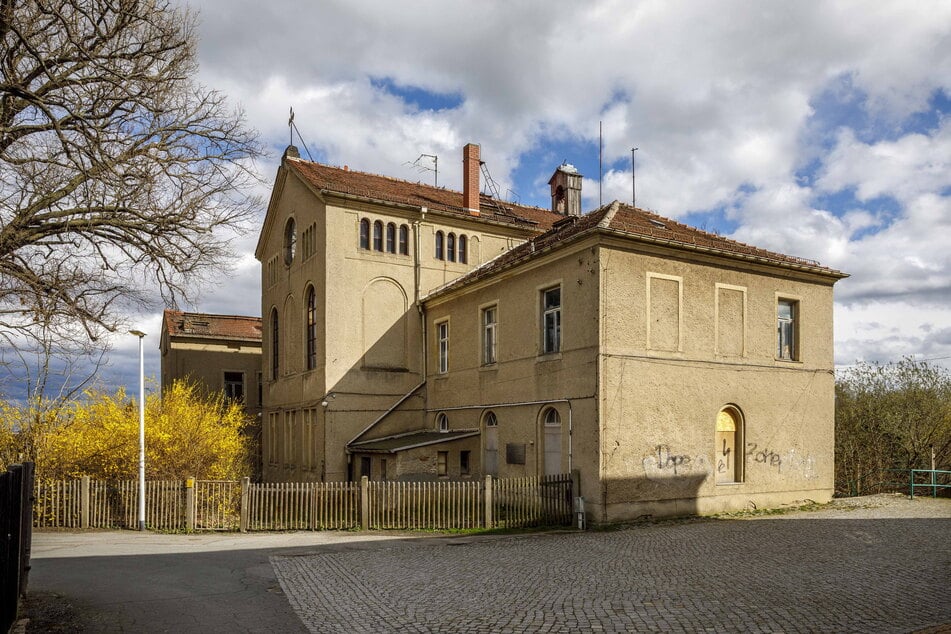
(657, 223)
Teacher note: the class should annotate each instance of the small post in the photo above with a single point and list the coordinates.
(364, 503)
(244, 511)
(934, 484)
(84, 502)
(489, 520)
(190, 504)
(911, 482)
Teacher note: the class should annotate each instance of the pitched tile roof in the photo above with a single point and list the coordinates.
(639, 225)
(376, 187)
(203, 325)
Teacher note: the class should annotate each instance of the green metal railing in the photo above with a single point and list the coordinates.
(934, 485)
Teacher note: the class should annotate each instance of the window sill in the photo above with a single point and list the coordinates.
(797, 361)
(489, 367)
(548, 356)
(728, 484)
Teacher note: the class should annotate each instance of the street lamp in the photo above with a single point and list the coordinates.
(141, 336)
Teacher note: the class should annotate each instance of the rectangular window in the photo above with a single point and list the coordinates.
(234, 386)
(489, 325)
(464, 463)
(551, 320)
(442, 463)
(786, 335)
(290, 420)
(383, 468)
(260, 389)
(272, 439)
(365, 466)
(442, 334)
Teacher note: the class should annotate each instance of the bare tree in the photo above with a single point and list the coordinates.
(117, 170)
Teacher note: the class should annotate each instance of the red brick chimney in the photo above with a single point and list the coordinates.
(470, 178)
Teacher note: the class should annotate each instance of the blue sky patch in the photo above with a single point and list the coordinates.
(419, 98)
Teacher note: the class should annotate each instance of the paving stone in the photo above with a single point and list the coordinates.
(884, 568)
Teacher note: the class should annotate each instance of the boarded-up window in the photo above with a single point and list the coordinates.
(515, 453)
(731, 320)
(664, 317)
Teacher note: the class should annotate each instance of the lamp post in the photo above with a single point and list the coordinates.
(141, 336)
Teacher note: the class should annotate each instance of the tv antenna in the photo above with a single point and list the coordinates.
(420, 167)
(292, 127)
(633, 178)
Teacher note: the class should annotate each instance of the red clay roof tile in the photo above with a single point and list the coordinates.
(376, 187)
(204, 325)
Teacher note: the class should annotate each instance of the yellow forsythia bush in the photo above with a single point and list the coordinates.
(187, 433)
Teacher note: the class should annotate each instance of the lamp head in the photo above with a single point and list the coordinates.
(137, 333)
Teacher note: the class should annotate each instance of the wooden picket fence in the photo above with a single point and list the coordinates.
(215, 505)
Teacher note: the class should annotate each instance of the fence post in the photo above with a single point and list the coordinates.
(911, 482)
(190, 504)
(26, 523)
(245, 509)
(364, 502)
(488, 501)
(84, 502)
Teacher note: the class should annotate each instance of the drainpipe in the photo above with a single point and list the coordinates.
(417, 272)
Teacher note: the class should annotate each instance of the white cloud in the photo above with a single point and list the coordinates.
(719, 97)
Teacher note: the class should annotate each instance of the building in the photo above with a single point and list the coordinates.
(414, 332)
(222, 353)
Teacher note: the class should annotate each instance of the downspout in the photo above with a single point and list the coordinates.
(417, 272)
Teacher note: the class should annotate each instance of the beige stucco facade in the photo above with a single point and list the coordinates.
(667, 385)
(368, 351)
(215, 351)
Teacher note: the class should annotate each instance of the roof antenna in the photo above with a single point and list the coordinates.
(600, 169)
(423, 168)
(293, 128)
(633, 178)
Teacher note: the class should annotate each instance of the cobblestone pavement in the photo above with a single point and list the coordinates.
(881, 566)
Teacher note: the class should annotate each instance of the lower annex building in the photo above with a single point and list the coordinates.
(415, 332)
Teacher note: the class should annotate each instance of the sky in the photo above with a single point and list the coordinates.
(816, 129)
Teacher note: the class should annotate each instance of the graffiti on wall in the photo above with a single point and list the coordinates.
(664, 463)
(789, 462)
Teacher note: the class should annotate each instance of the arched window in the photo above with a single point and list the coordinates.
(404, 240)
(442, 422)
(439, 246)
(390, 238)
(552, 431)
(451, 247)
(728, 451)
(275, 345)
(377, 236)
(463, 256)
(311, 328)
(290, 241)
(364, 234)
(490, 451)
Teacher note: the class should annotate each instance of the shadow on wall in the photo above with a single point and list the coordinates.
(667, 494)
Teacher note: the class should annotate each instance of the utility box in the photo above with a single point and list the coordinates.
(579, 513)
